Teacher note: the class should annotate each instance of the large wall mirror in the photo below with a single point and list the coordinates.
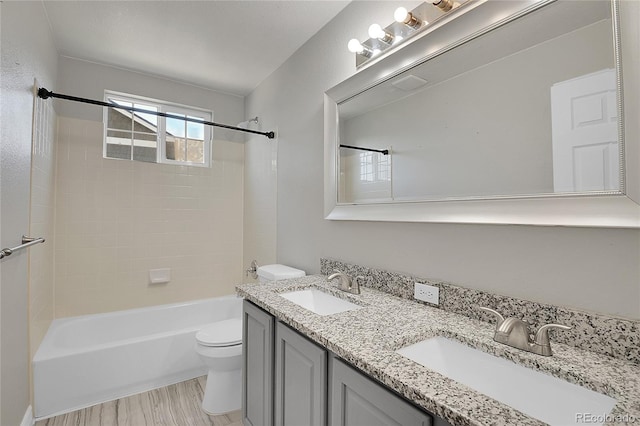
(511, 120)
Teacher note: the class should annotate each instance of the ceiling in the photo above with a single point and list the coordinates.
(230, 46)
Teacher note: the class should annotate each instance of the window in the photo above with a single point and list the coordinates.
(374, 167)
(182, 138)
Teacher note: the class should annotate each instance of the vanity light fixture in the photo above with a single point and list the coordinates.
(376, 31)
(406, 25)
(403, 16)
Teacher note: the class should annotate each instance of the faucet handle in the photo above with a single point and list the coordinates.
(336, 274)
(542, 335)
(496, 313)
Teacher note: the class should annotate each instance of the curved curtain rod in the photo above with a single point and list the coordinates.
(45, 94)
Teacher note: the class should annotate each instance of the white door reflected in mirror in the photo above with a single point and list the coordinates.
(584, 119)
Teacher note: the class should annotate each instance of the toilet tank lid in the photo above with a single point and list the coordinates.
(279, 272)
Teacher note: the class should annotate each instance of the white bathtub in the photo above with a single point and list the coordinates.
(91, 359)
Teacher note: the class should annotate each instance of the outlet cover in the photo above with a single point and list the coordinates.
(427, 293)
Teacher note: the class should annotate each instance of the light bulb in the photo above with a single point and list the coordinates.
(376, 31)
(405, 17)
(401, 14)
(354, 46)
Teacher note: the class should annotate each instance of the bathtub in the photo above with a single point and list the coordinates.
(91, 359)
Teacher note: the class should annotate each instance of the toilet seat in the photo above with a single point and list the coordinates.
(221, 334)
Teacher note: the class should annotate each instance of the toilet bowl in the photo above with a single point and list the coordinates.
(219, 345)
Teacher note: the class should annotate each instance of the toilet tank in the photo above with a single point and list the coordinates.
(277, 272)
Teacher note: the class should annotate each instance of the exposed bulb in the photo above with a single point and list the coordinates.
(376, 31)
(355, 46)
(401, 14)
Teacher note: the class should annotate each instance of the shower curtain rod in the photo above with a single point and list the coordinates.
(45, 94)
(381, 151)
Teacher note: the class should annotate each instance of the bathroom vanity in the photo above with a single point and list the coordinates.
(309, 385)
(346, 368)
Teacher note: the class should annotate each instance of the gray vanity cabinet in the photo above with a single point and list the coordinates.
(288, 380)
(300, 380)
(257, 366)
(357, 400)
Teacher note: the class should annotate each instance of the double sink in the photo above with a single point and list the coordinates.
(539, 395)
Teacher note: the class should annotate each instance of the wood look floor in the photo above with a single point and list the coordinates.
(175, 405)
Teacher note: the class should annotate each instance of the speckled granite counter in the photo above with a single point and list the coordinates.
(368, 338)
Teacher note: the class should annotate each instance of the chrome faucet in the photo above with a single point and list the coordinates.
(518, 334)
(346, 282)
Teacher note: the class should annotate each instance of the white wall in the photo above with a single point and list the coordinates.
(593, 269)
(27, 53)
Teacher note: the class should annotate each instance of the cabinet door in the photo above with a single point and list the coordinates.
(301, 380)
(257, 366)
(357, 400)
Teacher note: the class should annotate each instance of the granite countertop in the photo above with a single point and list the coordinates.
(368, 338)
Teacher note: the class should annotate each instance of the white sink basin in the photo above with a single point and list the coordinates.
(536, 394)
(319, 302)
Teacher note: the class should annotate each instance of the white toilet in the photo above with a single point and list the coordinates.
(219, 345)
(278, 272)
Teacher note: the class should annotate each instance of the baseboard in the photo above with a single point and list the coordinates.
(28, 420)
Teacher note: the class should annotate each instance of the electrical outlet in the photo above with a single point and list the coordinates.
(426, 293)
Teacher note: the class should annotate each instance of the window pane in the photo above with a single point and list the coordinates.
(145, 146)
(195, 130)
(118, 144)
(175, 148)
(195, 151)
(144, 153)
(366, 167)
(175, 127)
(119, 119)
(149, 121)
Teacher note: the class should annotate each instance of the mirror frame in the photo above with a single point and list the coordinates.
(475, 18)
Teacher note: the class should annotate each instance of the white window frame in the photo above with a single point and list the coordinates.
(165, 107)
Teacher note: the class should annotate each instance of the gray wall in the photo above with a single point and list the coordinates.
(593, 269)
(89, 80)
(27, 53)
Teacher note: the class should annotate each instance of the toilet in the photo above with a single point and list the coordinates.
(276, 272)
(219, 345)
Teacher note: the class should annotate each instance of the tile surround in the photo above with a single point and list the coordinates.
(116, 219)
(41, 265)
(603, 334)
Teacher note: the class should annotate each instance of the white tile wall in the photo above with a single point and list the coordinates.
(41, 265)
(260, 201)
(116, 219)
